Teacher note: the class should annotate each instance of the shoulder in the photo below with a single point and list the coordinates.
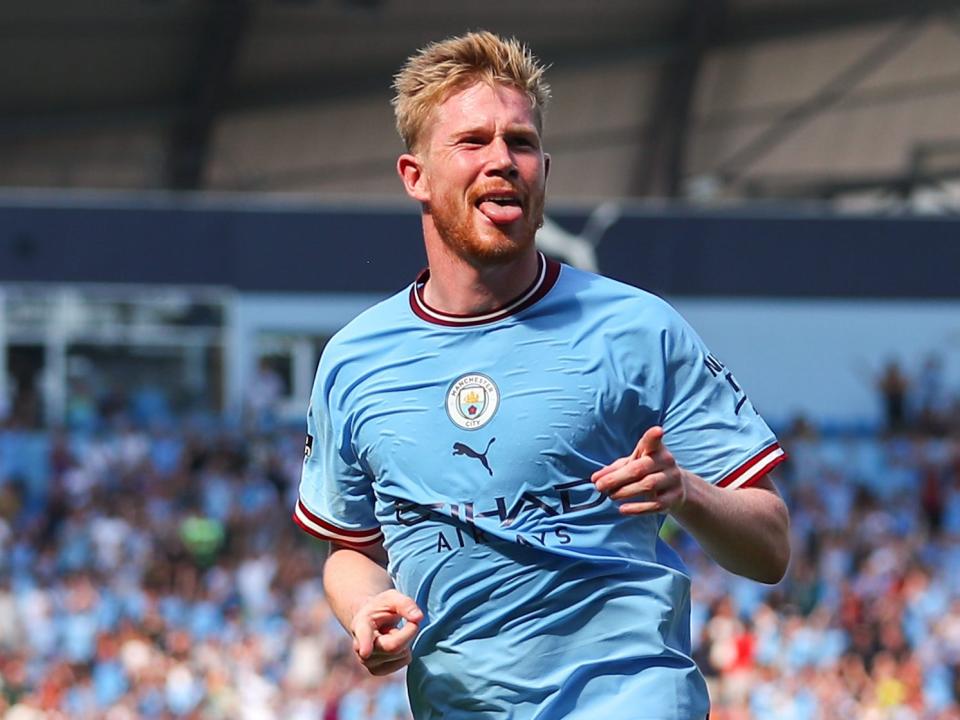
(637, 330)
(383, 318)
(615, 299)
(366, 336)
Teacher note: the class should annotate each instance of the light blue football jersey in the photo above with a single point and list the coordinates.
(466, 445)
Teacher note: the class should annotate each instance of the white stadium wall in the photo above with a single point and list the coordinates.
(816, 358)
(821, 358)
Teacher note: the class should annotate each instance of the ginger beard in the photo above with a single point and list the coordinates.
(469, 233)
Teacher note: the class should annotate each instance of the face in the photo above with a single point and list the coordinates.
(480, 173)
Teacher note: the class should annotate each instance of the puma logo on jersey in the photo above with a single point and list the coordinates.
(460, 449)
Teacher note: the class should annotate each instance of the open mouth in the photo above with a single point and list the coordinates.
(500, 207)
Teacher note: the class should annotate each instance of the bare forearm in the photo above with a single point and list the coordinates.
(746, 531)
(350, 579)
(382, 621)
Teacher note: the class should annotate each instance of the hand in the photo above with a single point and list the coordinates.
(379, 644)
(649, 470)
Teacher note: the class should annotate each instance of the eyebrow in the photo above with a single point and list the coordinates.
(513, 129)
(522, 129)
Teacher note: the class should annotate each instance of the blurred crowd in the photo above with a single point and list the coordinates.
(867, 623)
(158, 575)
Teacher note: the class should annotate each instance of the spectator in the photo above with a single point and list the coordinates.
(104, 613)
(893, 385)
(263, 395)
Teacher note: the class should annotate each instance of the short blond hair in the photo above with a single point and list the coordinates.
(433, 73)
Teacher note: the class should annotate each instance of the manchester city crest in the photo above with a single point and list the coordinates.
(472, 400)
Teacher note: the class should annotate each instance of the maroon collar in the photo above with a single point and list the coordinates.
(547, 273)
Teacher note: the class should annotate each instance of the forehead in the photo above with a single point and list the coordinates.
(483, 104)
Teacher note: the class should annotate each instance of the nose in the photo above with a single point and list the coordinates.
(500, 158)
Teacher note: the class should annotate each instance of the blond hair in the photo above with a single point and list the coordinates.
(432, 74)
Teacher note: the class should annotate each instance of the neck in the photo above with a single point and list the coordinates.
(460, 287)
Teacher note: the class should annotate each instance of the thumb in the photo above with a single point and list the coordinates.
(405, 607)
(410, 612)
(650, 443)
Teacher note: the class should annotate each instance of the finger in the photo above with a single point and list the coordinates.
(641, 508)
(363, 636)
(645, 487)
(650, 443)
(391, 605)
(396, 639)
(631, 472)
(660, 503)
(406, 607)
(607, 469)
(378, 657)
(389, 666)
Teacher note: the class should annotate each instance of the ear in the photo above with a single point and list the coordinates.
(546, 165)
(411, 172)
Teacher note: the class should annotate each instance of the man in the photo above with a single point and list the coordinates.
(491, 453)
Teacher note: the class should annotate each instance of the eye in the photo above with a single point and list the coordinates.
(522, 141)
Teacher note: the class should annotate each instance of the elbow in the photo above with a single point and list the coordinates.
(774, 569)
(768, 566)
(778, 556)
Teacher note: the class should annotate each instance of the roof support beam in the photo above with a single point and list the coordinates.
(777, 21)
(739, 162)
(664, 150)
(205, 93)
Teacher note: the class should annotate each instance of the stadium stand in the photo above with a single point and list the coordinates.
(148, 565)
(157, 575)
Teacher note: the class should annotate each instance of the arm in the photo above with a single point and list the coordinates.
(746, 531)
(361, 595)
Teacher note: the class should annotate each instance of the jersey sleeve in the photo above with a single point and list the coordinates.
(335, 501)
(709, 423)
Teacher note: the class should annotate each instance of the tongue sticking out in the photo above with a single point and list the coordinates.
(500, 214)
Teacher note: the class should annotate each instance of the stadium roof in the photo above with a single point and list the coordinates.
(120, 63)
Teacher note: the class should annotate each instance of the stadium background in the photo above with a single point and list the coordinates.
(195, 195)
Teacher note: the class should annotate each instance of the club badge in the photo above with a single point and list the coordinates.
(472, 401)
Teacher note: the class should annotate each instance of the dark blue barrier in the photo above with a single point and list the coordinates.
(254, 245)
